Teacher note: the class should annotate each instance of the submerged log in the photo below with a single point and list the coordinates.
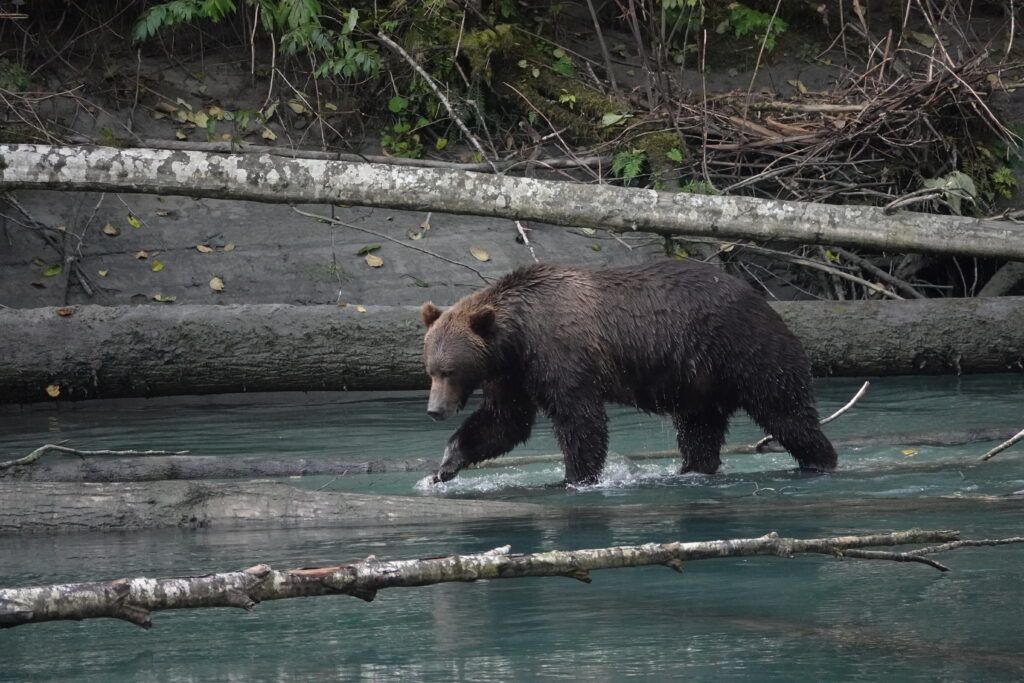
(134, 600)
(110, 352)
(268, 178)
(59, 507)
(62, 507)
(192, 467)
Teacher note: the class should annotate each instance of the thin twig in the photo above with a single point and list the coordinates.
(882, 275)
(51, 447)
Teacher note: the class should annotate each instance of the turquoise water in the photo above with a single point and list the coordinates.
(809, 618)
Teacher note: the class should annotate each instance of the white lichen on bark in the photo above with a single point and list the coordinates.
(267, 178)
(135, 599)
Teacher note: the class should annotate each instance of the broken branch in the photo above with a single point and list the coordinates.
(135, 600)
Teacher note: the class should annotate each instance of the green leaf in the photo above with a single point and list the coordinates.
(611, 118)
(50, 271)
(674, 154)
(397, 104)
(440, 144)
(369, 248)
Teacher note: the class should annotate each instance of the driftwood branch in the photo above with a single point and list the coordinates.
(135, 600)
(269, 178)
(50, 447)
(1003, 446)
(119, 351)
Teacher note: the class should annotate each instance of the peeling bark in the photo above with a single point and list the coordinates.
(193, 467)
(268, 178)
(135, 600)
(109, 352)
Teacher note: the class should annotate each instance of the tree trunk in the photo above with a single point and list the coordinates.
(134, 600)
(109, 352)
(72, 468)
(268, 178)
(61, 507)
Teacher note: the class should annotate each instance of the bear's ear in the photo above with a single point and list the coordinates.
(429, 313)
(482, 321)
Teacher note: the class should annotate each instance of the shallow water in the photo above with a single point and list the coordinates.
(807, 618)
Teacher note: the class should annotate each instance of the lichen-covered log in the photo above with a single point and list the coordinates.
(30, 507)
(268, 178)
(135, 600)
(71, 468)
(109, 352)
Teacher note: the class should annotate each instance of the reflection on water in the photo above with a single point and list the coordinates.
(755, 618)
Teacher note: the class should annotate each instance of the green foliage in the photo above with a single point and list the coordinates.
(955, 187)
(403, 139)
(628, 164)
(12, 76)
(699, 187)
(745, 20)
(1003, 181)
(298, 22)
(674, 154)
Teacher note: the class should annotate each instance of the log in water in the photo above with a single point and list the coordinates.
(110, 352)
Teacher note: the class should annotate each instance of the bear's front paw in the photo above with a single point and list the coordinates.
(451, 464)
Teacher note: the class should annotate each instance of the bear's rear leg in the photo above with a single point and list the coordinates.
(801, 435)
(700, 435)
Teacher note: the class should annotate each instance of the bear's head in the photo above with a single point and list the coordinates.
(456, 353)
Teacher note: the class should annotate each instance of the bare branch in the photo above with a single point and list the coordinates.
(135, 600)
(849, 404)
(1003, 446)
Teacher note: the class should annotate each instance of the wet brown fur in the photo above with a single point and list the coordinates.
(671, 337)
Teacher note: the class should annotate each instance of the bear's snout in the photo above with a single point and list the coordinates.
(437, 414)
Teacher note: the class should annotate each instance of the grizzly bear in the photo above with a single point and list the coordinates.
(671, 337)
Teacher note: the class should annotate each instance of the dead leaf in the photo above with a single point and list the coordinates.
(330, 107)
(157, 266)
(180, 135)
(268, 134)
(103, 273)
(361, 309)
(203, 249)
(160, 298)
(200, 119)
(110, 230)
(134, 222)
(182, 116)
(801, 88)
(142, 255)
(65, 311)
(374, 261)
(38, 285)
(163, 213)
(228, 247)
(165, 107)
(296, 106)
(53, 390)
(216, 284)
(479, 254)
(216, 112)
(909, 452)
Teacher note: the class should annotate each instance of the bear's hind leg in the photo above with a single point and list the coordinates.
(700, 435)
(801, 435)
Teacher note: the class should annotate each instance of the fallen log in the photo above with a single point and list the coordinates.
(110, 352)
(269, 178)
(134, 600)
(61, 507)
(193, 467)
